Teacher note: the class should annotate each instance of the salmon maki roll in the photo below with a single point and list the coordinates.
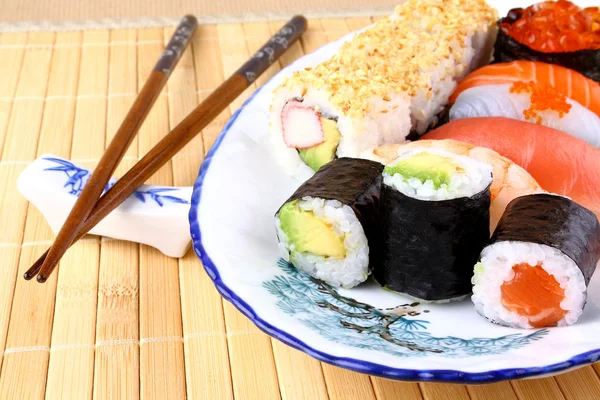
(536, 270)
(386, 83)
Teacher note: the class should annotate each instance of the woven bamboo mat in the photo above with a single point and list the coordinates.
(120, 320)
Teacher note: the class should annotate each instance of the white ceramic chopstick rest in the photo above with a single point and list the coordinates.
(154, 215)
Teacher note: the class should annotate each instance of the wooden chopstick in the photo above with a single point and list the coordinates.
(187, 129)
(118, 146)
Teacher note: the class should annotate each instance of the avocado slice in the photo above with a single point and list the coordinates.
(319, 155)
(424, 167)
(310, 233)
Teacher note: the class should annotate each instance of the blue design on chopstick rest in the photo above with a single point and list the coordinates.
(77, 178)
(344, 320)
(155, 194)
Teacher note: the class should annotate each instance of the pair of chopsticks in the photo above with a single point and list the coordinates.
(91, 206)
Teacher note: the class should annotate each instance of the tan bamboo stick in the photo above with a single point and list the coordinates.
(443, 391)
(30, 93)
(345, 384)
(33, 308)
(9, 73)
(208, 78)
(500, 390)
(252, 366)
(386, 389)
(300, 376)
(583, 383)
(162, 373)
(71, 366)
(207, 366)
(534, 389)
(116, 362)
(10, 204)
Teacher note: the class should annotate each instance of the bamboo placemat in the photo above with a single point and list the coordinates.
(120, 320)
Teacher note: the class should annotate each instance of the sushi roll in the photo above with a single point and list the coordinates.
(387, 82)
(556, 32)
(532, 91)
(435, 218)
(327, 228)
(536, 270)
(509, 179)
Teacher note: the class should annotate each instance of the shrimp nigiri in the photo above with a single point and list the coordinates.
(559, 162)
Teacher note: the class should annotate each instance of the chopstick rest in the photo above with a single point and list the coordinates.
(153, 215)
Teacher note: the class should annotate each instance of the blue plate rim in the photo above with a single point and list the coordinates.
(384, 371)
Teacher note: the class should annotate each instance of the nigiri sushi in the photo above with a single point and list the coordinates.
(557, 32)
(546, 94)
(509, 180)
(529, 101)
(568, 82)
(559, 162)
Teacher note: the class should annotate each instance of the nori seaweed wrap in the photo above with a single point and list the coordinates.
(328, 227)
(507, 48)
(553, 221)
(537, 267)
(435, 215)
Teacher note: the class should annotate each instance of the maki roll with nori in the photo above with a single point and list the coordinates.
(327, 228)
(552, 32)
(435, 218)
(540, 261)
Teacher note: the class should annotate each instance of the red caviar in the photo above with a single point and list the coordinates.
(543, 98)
(556, 26)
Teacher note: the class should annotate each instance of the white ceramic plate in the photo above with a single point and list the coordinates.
(237, 192)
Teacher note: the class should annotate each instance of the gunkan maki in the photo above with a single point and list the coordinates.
(434, 218)
(554, 32)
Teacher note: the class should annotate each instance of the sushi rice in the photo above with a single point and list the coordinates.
(476, 176)
(347, 272)
(388, 81)
(496, 267)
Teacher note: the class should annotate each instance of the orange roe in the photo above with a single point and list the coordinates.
(543, 98)
(553, 27)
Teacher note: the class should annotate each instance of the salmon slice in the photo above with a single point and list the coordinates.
(567, 81)
(559, 162)
(535, 294)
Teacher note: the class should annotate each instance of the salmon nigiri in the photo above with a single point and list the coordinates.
(560, 163)
(570, 83)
